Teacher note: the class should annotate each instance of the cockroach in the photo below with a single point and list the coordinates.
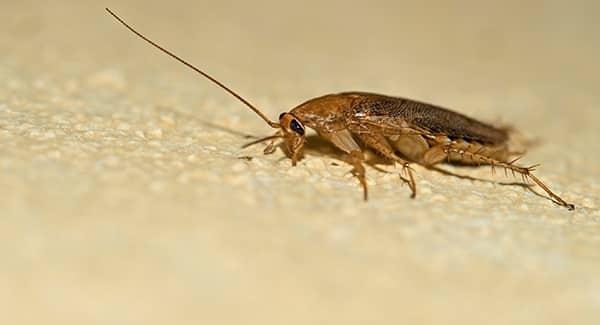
(401, 130)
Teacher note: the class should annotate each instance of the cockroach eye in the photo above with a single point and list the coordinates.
(296, 127)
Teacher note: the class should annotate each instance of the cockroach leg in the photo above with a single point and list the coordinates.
(410, 181)
(435, 155)
(411, 146)
(525, 172)
(343, 140)
(356, 159)
(380, 144)
(556, 199)
(270, 148)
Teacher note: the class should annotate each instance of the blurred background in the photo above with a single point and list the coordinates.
(122, 198)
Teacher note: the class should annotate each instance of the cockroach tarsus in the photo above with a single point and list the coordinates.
(401, 130)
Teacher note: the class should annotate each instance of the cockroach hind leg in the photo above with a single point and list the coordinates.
(555, 198)
(526, 172)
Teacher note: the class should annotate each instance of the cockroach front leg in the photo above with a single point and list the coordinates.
(270, 148)
(356, 159)
(343, 140)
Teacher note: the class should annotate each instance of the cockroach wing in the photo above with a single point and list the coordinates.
(389, 111)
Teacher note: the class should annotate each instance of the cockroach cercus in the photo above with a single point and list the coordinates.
(401, 130)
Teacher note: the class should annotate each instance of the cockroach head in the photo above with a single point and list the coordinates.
(294, 134)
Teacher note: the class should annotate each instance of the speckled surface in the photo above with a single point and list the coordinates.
(123, 199)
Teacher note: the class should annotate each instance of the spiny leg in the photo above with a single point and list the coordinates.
(379, 143)
(526, 172)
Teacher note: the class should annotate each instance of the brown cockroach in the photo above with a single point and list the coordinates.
(401, 130)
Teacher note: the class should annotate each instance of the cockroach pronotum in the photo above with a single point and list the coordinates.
(401, 130)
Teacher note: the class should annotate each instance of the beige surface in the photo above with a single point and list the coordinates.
(122, 200)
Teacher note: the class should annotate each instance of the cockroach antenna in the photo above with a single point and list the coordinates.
(189, 65)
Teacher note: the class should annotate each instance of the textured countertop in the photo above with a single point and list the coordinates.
(123, 198)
